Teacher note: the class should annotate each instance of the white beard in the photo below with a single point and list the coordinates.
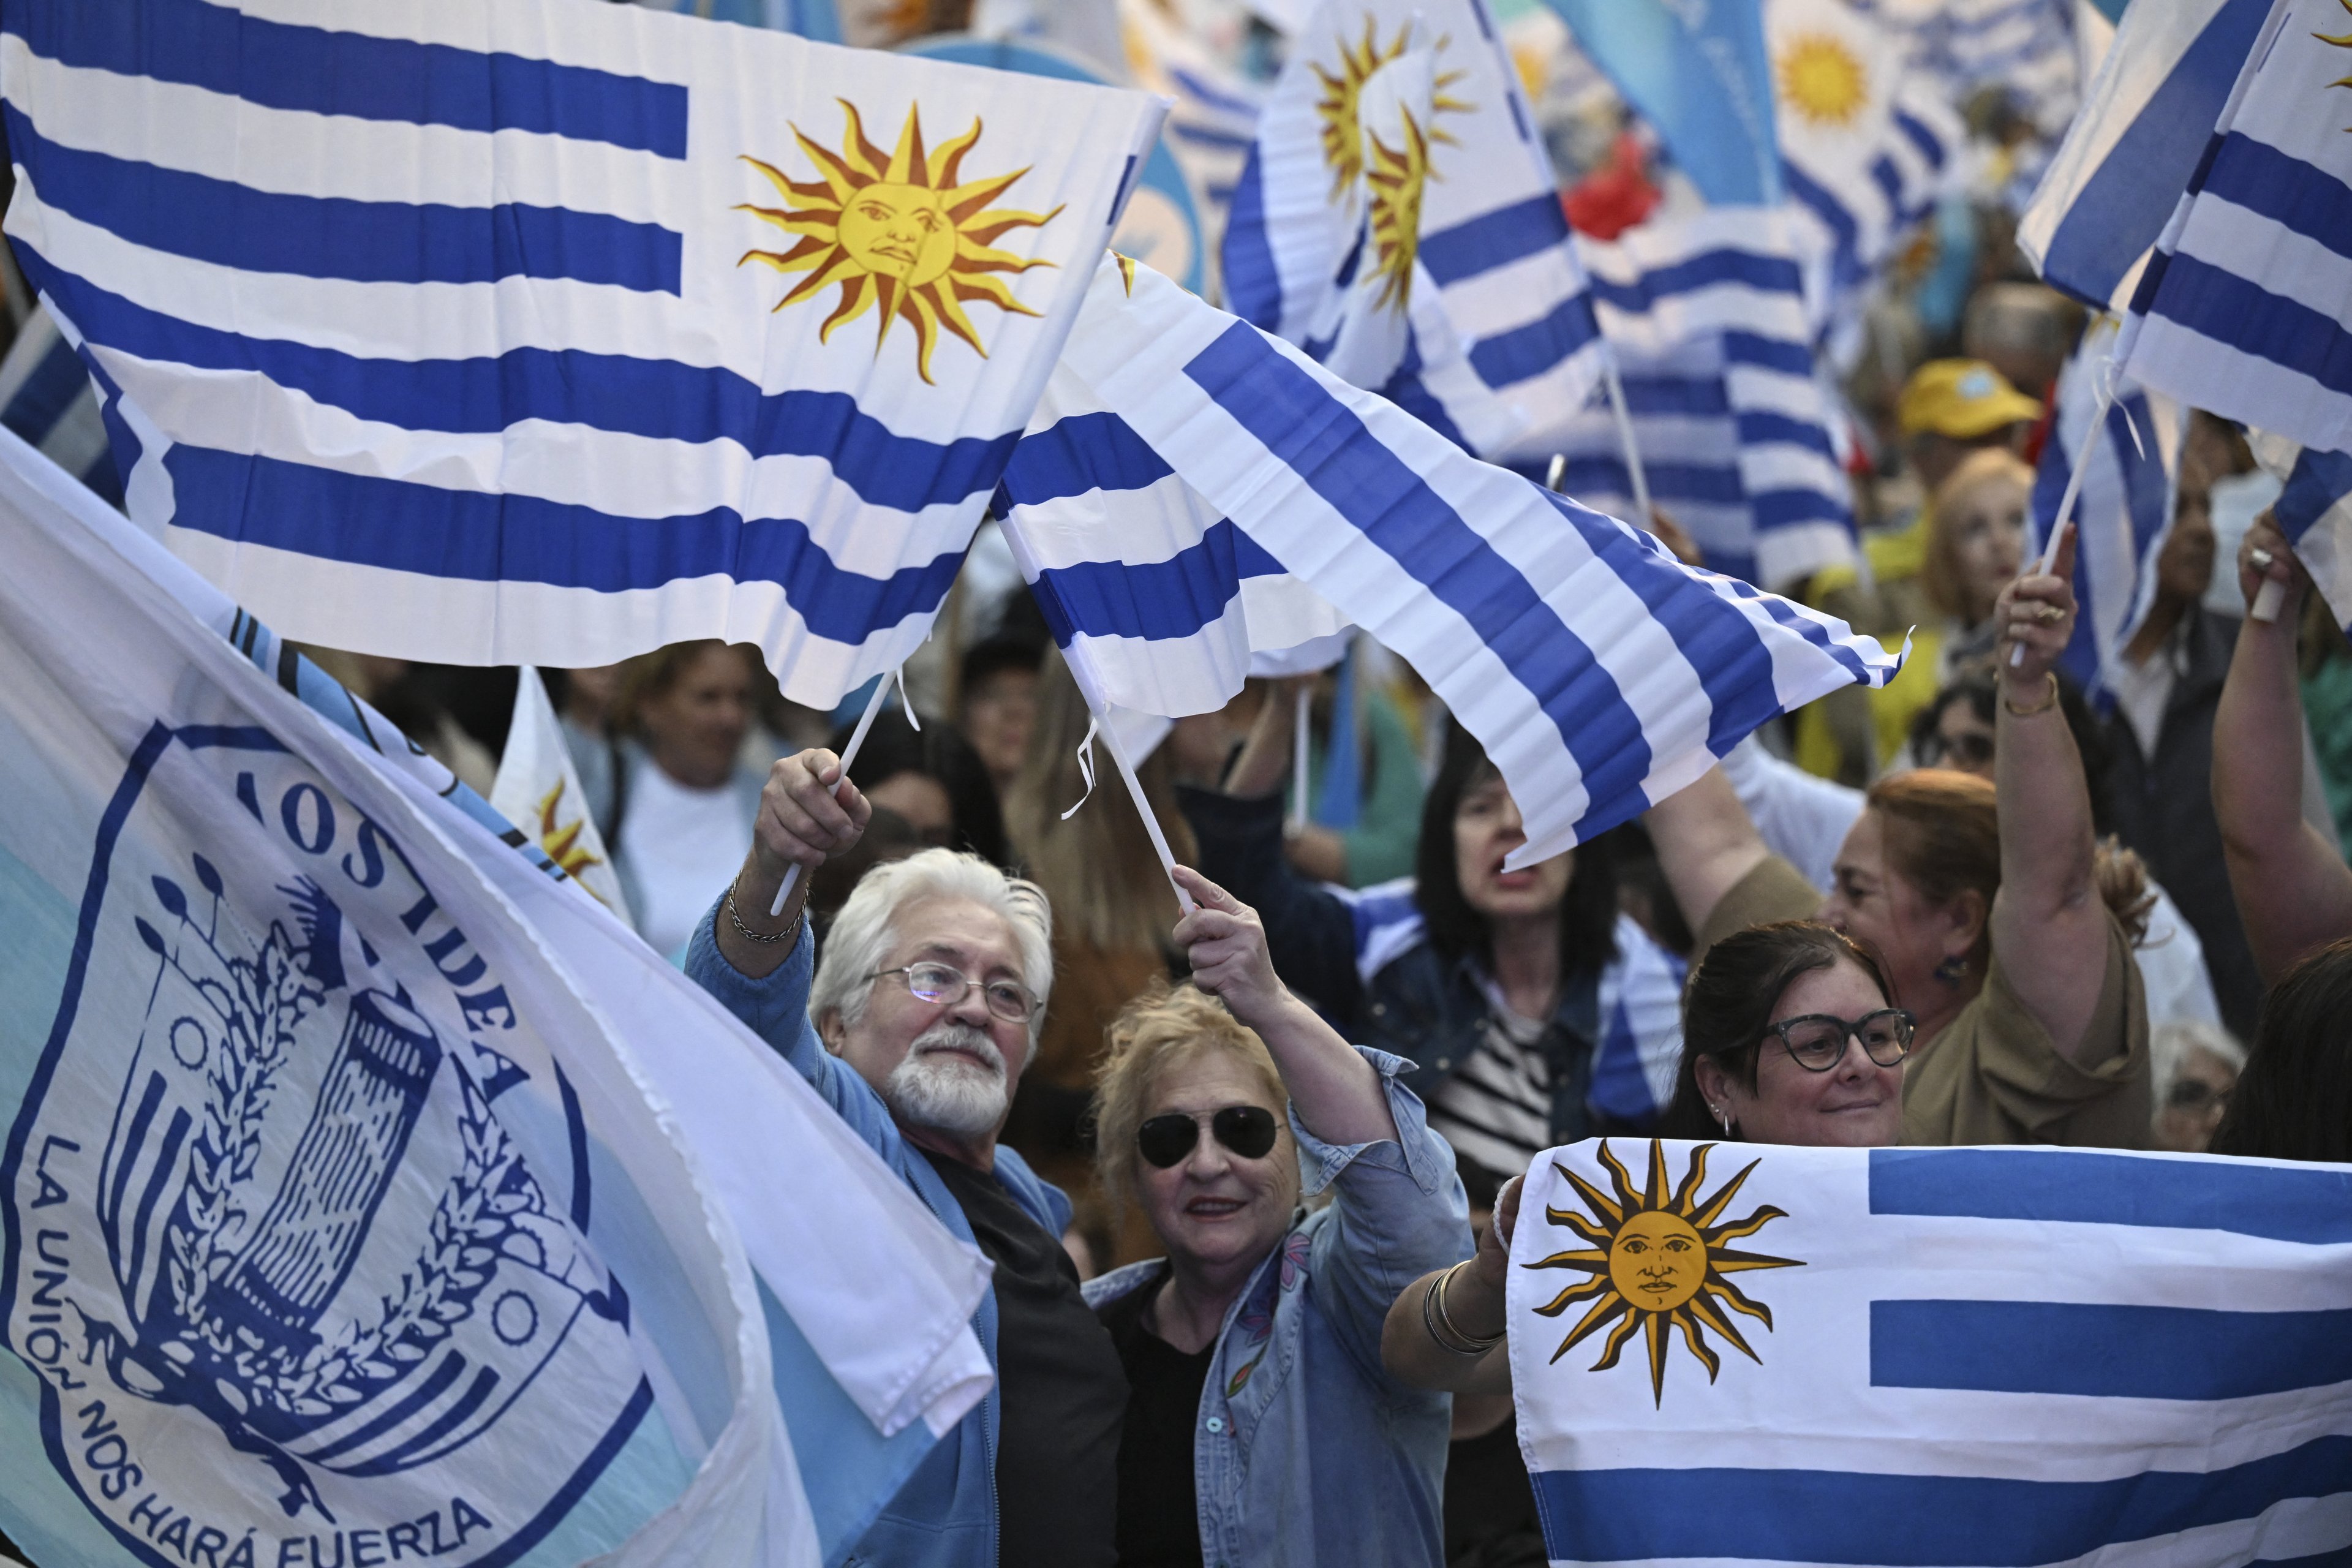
(947, 1093)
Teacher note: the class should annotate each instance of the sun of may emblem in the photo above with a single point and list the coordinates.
(1343, 141)
(1397, 177)
(1658, 1263)
(2343, 42)
(898, 232)
(1821, 80)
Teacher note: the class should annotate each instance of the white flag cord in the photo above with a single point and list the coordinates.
(2074, 486)
(882, 685)
(1634, 473)
(1108, 731)
(1300, 740)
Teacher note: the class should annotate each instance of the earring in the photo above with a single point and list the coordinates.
(1954, 969)
(1724, 1117)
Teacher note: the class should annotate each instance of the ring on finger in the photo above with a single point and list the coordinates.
(2262, 558)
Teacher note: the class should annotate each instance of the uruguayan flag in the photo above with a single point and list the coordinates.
(2314, 511)
(46, 398)
(2245, 308)
(2027, 49)
(1944, 1358)
(1476, 247)
(1213, 112)
(2148, 117)
(861, 1395)
(550, 332)
(1600, 673)
(1867, 146)
(1730, 277)
(1157, 601)
(2131, 464)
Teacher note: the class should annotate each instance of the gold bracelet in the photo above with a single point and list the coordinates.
(1440, 1322)
(2043, 706)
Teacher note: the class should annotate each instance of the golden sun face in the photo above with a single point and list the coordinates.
(1396, 178)
(2343, 42)
(560, 839)
(897, 233)
(1657, 1265)
(1821, 80)
(1343, 138)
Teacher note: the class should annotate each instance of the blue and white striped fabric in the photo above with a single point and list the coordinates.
(818, 19)
(1867, 145)
(2124, 513)
(2314, 511)
(1601, 674)
(2026, 47)
(452, 331)
(1640, 1044)
(1492, 244)
(1213, 114)
(2243, 309)
(46, 398)
(2146, 118)
(1157, 602)
(1933, 1357)
(1731, 276)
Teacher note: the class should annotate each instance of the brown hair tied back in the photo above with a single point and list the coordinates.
(1734, 991)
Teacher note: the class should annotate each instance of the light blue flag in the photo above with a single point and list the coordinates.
(817, 19)
(2148, 117)
(554, 331)
(1743, 1354)
(1600, 673)
(2123, 513)
(1711, 315)
(1698, 71)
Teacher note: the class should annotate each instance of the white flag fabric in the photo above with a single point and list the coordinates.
(1600, 673)
(863, 1394)
(2244, 307)
(2123, 514)
(2133, 149)
(1730, 277)
(1746, 1353)
(538, 789)
(551, 332)
(1511, 316)
(338, 1222)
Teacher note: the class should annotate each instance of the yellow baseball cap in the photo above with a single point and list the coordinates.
(1961, 398)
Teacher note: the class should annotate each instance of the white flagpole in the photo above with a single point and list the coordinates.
(1109, 735)
(1300, 741)
(882, 685)
(1634, 472)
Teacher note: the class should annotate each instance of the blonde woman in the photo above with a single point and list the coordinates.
(1260, 1424)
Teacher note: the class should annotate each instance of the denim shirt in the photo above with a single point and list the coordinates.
(945, 1516)
(1307, 1451)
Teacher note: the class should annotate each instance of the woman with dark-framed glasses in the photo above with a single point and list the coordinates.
(1260, 1426)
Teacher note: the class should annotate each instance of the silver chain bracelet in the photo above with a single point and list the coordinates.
(748, 934)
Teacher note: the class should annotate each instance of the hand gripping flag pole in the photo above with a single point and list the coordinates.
(882, 685)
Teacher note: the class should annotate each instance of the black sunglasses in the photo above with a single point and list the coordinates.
(1246, 1130)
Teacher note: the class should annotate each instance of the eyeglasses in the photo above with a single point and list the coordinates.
(1818, 1039)
(1968, 751)
(2194, 1094)
(943, 985)
(1246, 1130)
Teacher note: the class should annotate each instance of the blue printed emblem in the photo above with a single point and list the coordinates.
(293, 1290)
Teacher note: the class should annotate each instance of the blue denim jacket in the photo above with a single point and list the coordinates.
(945, 1516)
(1307, 1453)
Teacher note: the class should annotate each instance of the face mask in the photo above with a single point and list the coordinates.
(2237, 500)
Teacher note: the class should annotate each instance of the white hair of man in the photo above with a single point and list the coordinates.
(865, 930)
(2171, 1043)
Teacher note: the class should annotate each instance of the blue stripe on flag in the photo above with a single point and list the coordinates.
(1083, 452)
(1493, 238)
(1906, 1521)
(2247, 317)
(660, 399)
(1253, 283)
(1767, 353)
(280, 66)
(1714, 483)
(1760, 428)
(1773, 274)
(2299, 196)
(2111, 1351)
(1523, 353)
(1784, 509)
(2317, 481)
(1923, 140)
(1682, 396)
(1889, 181)
(2305, 1203)
(1341, 460)
(1161, 600)
(236, 226)
(472, 536)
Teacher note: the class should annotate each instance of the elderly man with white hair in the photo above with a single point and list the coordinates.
(915, 1028)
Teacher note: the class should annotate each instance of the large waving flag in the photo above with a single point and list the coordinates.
(1600, 673)
(2123, 511)
(1698, 71)
(1728, 280)
(2134, 148)
(861, 1397)
(2242, 308)
(1488, 270)
(1749, 1354)
(550, 332)
(2028, 49)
